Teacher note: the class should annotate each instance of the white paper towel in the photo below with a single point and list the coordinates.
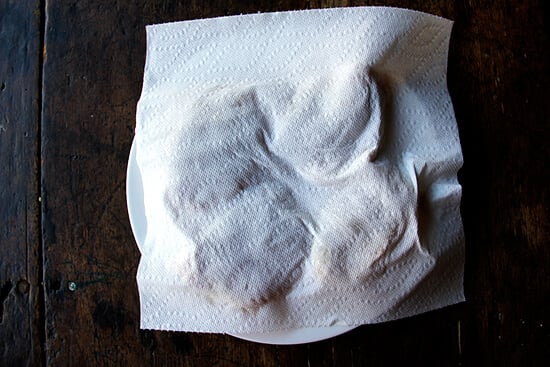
(299, 170)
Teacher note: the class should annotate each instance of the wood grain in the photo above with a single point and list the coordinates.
(93, 60)
(20, 254)
(498, 78)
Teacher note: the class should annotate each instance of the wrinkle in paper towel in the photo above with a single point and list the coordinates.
(284, 159)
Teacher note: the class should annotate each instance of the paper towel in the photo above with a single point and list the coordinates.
(299, 170)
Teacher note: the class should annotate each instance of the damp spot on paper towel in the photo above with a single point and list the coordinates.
(258, 192)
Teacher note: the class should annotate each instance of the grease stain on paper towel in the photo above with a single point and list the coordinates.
(280, 183)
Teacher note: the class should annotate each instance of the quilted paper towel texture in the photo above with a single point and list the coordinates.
(299, 170)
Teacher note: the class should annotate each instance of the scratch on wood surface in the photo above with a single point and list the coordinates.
(4, 125)
(533, 224)
(459, 340)
(4, 293)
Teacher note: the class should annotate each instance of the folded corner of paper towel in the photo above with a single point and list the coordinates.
(299, 170)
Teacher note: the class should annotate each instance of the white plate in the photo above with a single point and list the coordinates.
(138, 221)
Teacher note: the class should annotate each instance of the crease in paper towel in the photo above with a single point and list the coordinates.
(299, 170)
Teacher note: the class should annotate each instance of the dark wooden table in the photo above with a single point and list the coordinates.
(70, 77)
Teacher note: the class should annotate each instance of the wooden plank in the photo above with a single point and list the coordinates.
(20, 259)
(498, 78)
(92, 81)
